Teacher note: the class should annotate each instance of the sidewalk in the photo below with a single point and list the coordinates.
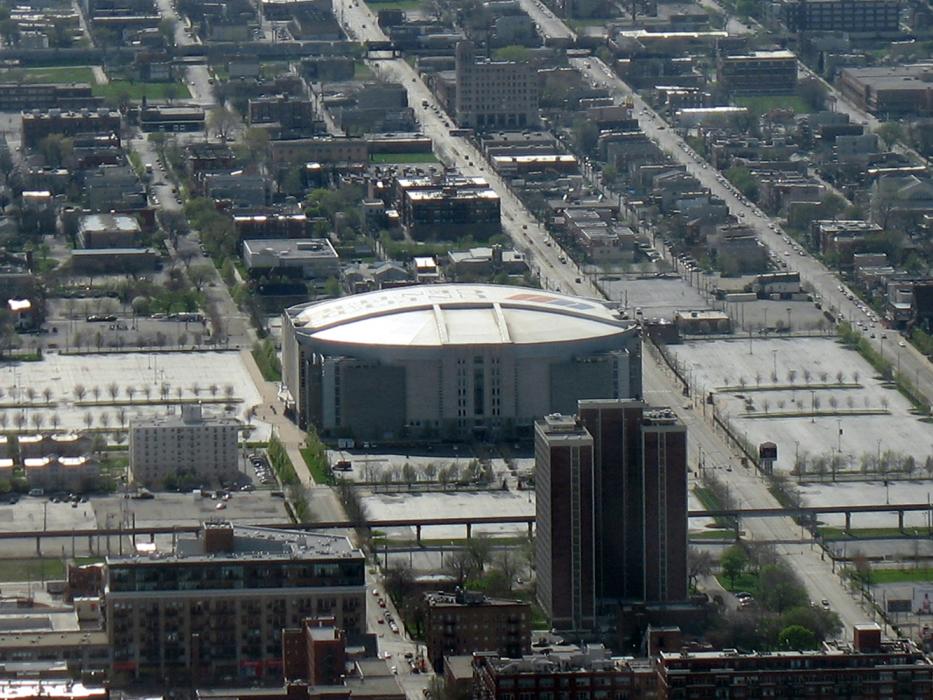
(324, 504)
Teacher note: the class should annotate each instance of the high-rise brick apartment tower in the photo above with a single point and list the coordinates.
(611, 488)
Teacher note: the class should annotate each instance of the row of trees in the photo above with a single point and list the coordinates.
(815, 403)
(53, 420)
(130, 391)
(887, 463)
(475, 472)
(792, 375)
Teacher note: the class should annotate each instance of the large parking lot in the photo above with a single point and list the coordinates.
(713, 365)
(120, 386)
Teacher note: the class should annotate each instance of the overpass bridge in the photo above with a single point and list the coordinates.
(806, 513)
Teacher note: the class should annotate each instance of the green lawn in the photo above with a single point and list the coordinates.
(728, 535)
(381, 158)
(52, 74)
(837, 533)
(362, 72)
(318, 471)
(31, 569)
(747, 582)
(901, 575)
(394, 4)
(766, 103)
(273, 69)
(137, 90)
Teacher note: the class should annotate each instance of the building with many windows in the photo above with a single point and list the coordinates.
(611, 510)
(869, 668)
(452, 360)
(494, 94)
(838, 15)
(573, 674)
(759, 73)
(189, 444)
(216, 604)
(466, 621)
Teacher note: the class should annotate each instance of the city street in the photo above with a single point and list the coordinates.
(824, 282)
(555, 274)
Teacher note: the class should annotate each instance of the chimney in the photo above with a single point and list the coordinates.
(866, 638)
(218, 537)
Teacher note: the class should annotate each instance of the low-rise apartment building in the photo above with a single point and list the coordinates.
(759, 73)
(465, 621)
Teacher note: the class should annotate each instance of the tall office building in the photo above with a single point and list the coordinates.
(494, 94)
(564, 521)
(611, 491)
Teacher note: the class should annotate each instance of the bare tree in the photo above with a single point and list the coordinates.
(47, 395)
(20, 420)
(228, 391)
(88, 420)
(179, 392)
(213, 388)
(130, 391)
(855, 376)
(833, 402)
(38, 420)
(791, 376)
(55, 421)
(766, 405)
(104, 419)
(121, 416)
(806, 376)
(824, 377)
(113, 390)
(850, 402)
(79, 391)
(164, 390)
(757, 378)
(30, 393)
(884, 402)
(840, 377)
(147, 391)
(4, 419)
(196, 389)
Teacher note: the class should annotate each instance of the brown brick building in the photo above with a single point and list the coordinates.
(465, 622)
(611, 515)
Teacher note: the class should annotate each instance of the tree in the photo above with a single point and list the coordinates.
(256, 141)
(733, 562)
(508, 565)
(514, 53)
(824, 624)
(167, 29)
(200, 275)
(459, 565)
(796, 638)
(812, 92)
(479, 547)
(57, 150)
(79, 391)
(699, 563)
(779, 588)
(890, 133)
(114, 390)
(222, 121)
(47, 395)
(585, 135)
